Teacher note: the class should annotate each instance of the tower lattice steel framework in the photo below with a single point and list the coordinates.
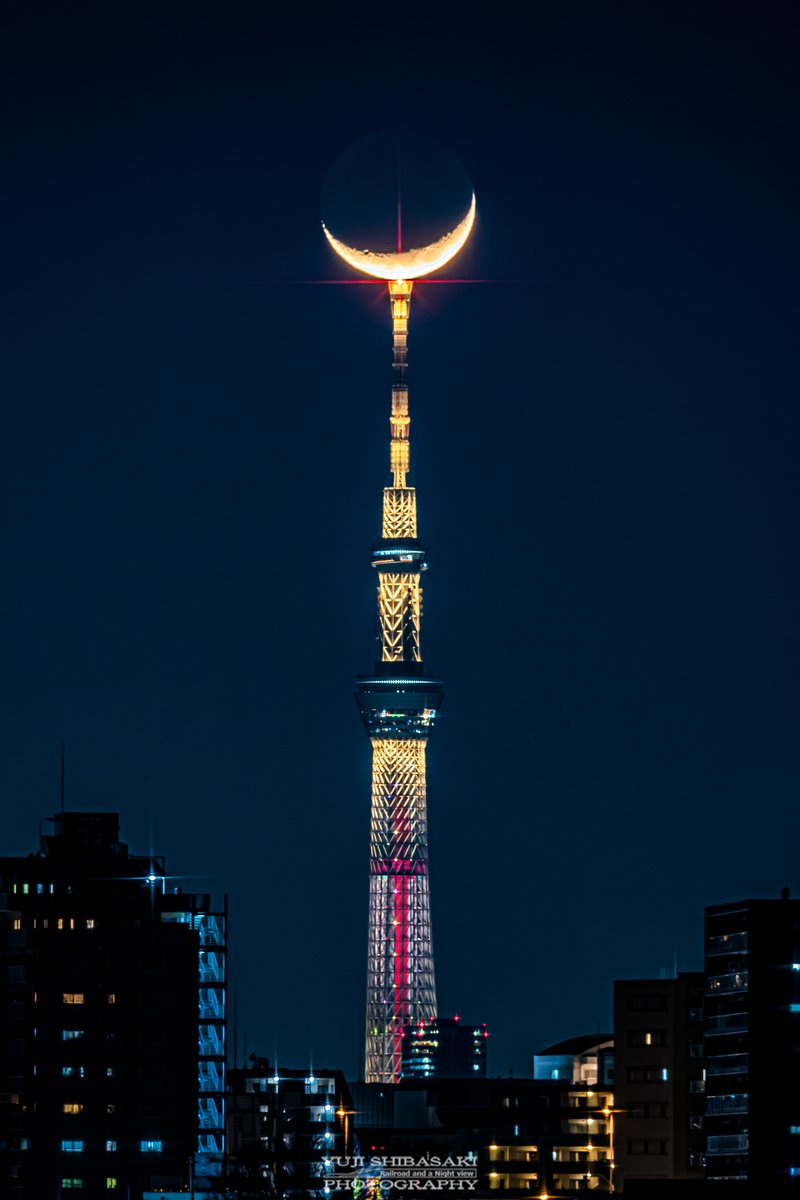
(398, 704)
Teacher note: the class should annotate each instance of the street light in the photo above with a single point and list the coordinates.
(345, 1113)
(608, 1113)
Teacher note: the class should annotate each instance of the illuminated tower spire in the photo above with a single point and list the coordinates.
(398, 704)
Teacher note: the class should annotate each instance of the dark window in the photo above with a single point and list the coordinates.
(151, 1037)
(647, 1146)
(651, 1002)
(151, 1074)
(151, 1108)
(645, 1074)
(152, 962)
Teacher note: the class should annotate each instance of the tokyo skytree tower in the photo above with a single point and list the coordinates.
(398, 704)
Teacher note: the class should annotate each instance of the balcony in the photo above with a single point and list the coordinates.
(727, 1143)
(727, 1064)
(734, 981)
(727, 1023)
(732, 1103)
(726, 943)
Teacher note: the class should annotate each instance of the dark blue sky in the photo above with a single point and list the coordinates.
(193, 447)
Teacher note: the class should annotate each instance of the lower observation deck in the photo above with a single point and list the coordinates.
(402, 705)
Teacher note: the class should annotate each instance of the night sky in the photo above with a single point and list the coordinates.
(604, 442)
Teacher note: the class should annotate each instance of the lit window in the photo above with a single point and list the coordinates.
(71, 1181)
(111, 1182)
(111, 1108)
(664, 1073)
(112, 997)
(151, 1147)
(72, 1109)
(794, 1130)
(73, 997)
(73, 1071)
(72, 1147)
(72, 1035)
(111, 1072)
(25, 889)
(111, 1146)
(17, 923)
(60, 922)
(90, 922)
(72, 922)
(39, 889)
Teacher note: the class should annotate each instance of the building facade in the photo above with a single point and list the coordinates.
(588, 1059)
(287, 1130)
(444, 1048)
(659, 1084)
(752, 1031)
(112, 992)
(521, 1137)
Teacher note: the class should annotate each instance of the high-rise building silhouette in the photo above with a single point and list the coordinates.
(658, 1071)
(398, 704)
(752, 1015)
(112, 990)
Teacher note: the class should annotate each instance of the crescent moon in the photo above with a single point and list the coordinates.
(407, 264)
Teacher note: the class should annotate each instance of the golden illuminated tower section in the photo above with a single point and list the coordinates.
(398, 704)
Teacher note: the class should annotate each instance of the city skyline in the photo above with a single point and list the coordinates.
(182, 558)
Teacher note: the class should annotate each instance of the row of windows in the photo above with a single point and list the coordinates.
(77, 1071)
(80, 997)
(147, 1108)
(59, 923)
(76, 1146)
(148, 1037)
(147, 1074)
(146, 999)
(76, 1181)
(651, 1002)
(648, 1074)
(647, 1146)
(658, 1111)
